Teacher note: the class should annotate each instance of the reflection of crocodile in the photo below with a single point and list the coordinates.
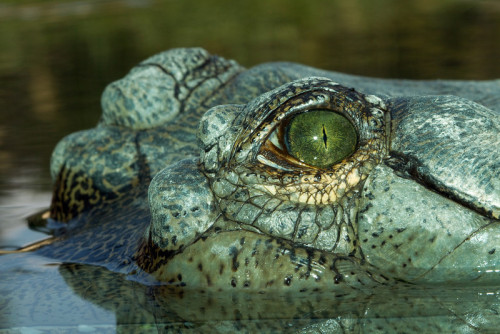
(296, 182)
(413, 309)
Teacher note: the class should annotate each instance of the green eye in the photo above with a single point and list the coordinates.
(320, 138)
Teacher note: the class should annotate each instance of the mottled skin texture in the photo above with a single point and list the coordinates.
(232, 190)
(417, 203)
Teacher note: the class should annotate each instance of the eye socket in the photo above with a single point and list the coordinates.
(318, 138)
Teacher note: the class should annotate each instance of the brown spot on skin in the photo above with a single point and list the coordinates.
(233, 282)
(288, 280)
(221, 269)
(200, 267)
(338, 278)
(491, 252)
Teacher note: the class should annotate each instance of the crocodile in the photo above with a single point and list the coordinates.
(202, 174)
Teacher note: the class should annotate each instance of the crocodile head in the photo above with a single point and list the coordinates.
(292, 180)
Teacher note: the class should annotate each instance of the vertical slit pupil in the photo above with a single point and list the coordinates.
(308, 136)
(324, 136)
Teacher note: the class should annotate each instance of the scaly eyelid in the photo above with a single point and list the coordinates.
(271, 114)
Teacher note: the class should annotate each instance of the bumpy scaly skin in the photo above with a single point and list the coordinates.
(450, 242)
(419, 195)
(150, 115)
(308, 206)
(312, 208)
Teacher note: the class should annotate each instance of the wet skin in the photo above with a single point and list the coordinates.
(207, 175)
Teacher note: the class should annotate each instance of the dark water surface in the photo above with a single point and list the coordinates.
(57, 56)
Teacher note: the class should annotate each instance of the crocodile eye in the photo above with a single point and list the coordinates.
(318, 138)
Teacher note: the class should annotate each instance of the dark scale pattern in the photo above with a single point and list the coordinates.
(77, 191)
(292, 267)
(141, 107)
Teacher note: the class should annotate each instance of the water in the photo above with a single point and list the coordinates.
(57, 57)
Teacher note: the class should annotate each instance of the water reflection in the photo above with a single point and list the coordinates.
(407, 309)
(36, 299)
(15, 207)
(83, 297)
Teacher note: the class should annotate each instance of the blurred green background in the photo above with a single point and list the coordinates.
(57, 56)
